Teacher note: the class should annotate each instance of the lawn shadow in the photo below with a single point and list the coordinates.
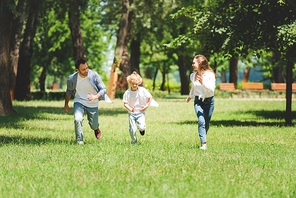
(20, 140)
(264, 115)
(40, 113)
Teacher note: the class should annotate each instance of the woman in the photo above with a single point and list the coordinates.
(202, 90)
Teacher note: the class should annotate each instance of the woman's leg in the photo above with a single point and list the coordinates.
(208, 111)
(199, 110)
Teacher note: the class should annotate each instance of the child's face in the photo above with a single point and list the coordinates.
(134, 85)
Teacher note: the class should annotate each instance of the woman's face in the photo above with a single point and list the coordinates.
(195, 65)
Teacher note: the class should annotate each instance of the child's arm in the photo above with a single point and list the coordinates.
(128, 107)
(147, 105)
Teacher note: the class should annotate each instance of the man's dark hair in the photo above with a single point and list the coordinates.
(79, 61)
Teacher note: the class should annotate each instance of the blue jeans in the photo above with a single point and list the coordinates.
(92, 116)
(204, 110)
(139, 119)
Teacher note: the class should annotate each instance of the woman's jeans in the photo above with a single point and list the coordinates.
(92, 116)
(204, 110)
(139, 119)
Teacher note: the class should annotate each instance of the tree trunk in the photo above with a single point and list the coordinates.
(23, 83)
(119, 49)
(233, 70)
(223, 76)
(289, 81)
(135, 54)
(15, 43)
(154, 79)
(277, 71)
(76, 32)
(182, 67)
(246, 74)
(43, 74)
(162, 87)
(6, 18)
(125, 63)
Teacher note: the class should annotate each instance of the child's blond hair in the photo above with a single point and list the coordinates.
(134, 76)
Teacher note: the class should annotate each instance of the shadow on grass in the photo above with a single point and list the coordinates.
(45, 113)
(20, 140)
(236, 123)
(264, 115)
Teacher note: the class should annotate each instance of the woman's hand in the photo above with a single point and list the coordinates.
(198, 78)
(188, 99)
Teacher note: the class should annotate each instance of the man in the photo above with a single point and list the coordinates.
(87, 88)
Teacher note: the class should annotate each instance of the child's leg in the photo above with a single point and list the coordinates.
(141, 121)
(132, 128)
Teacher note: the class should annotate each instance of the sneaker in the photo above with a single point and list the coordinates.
(98, 133)
(142, 132)
(80, 142)
(203, 147)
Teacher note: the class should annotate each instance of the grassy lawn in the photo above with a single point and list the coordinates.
(250, 152)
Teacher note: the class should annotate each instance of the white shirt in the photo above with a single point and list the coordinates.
(204, 90)
(84, 87)
(137, 98)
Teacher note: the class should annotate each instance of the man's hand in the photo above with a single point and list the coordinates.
(92, 97)
(67, 109)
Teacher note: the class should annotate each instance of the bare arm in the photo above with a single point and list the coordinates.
(128, 107)
(92, 97)
(147, 105)
(66, 107)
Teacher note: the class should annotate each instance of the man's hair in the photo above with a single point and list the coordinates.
(79, 61)
(134, 76)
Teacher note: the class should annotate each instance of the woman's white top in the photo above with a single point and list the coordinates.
(204, 90)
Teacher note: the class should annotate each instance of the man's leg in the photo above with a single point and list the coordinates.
(78, 119)
(93, 120)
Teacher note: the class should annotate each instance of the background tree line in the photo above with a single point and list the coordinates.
(45, 37)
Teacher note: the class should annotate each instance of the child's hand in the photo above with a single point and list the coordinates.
(143, 108)
(133, 109)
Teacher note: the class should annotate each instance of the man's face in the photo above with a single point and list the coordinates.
(83, 70)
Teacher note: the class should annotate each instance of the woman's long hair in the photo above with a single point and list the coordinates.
(203, 64)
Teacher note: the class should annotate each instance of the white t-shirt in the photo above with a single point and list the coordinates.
(204, 90)
(137, 98)
(84, 87)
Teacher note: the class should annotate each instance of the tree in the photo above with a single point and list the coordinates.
(257, 25)
(15, 40)
(23, 83)
(6, 18)
(74, 25)
(119, 49)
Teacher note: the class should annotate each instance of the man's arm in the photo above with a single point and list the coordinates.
(66, 107)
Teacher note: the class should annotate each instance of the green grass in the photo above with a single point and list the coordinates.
(250, 152)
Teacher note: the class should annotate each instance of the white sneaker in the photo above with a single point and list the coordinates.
(203, 147)
(80, 142)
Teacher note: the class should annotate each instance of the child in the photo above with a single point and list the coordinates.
(136, 100)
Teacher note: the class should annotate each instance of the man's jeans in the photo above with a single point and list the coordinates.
(92, 116)
(139, 119)
(204, 110)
